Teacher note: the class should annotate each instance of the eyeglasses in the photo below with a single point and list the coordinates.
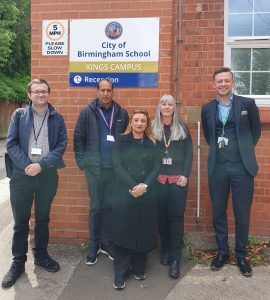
(40, 92)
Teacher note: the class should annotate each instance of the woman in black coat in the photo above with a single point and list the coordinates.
(176, 149)
(136, 163)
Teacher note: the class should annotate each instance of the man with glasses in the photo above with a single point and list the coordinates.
(36, 142)
(98, 126)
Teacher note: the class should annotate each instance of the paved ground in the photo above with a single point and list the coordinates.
(201, 283)
(96, 281)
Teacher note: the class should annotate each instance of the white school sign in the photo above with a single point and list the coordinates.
(124, 50)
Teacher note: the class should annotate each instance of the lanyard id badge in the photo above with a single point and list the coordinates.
(36, 151)
(223, 141)
(110, 138)
(167, 161)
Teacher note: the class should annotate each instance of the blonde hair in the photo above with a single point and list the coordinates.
(148, 129)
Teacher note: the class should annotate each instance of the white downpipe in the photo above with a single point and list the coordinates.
(197, 217)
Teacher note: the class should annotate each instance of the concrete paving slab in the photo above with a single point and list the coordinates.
(96, 282)
(37, 283)
(201, 283)
(4, 190)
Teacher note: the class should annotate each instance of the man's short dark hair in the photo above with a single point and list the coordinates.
(38, 81)
(222, 70)
(104, 79)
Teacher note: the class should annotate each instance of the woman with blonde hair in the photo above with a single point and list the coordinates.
(136, 163)
(176, 156)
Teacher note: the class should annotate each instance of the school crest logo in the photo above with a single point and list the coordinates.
(113, 30)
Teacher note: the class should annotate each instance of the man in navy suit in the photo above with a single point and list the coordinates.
(231, 127)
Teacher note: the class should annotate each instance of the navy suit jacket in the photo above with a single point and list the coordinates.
(248, 131)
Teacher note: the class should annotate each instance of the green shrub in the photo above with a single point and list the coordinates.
(14, 89)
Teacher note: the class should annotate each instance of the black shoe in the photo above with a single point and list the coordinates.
(107, 250)
(139, 276)
(244, 267)
(119, 283)
(47, 263)
(174, 269)
(164, 259)
(219, 261)
(15, 271)
(91, 257)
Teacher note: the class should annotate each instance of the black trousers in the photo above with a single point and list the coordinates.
(23, 191)
(100, 191)
(172, 205)
(126, 260)
(231, 176)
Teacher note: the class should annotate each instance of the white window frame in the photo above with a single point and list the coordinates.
(244, 42)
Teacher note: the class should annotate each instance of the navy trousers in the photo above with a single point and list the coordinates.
(232, 177)
(100, 191)
(126, 260)
(23, 191)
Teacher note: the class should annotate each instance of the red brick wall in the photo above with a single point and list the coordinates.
(201, 52)
(197, 41)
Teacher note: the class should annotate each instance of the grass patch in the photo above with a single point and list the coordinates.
(84, 248)
(189, 248)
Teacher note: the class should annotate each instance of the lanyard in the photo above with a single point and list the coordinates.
(224, 121)
(105, 121)
(166, 143)
(36, 136)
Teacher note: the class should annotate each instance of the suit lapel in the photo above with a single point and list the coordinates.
(237, 112)
(213, 117)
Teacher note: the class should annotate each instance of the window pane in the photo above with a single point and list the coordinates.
(241, 59)
(262, 24)
(261, 83)
(240, 6)
(240, 25)
(261, 60)
(242, 83)
(261, 5)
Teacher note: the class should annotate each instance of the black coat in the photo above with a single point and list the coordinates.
(248, 131)
(134, 220)
(181, 153)
(86, 136)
